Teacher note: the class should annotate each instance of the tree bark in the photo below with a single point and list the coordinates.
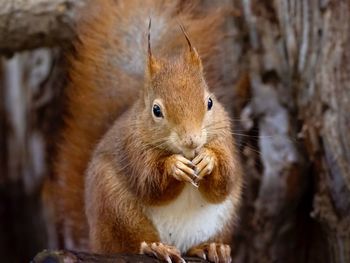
(28, 24)
(323, 97)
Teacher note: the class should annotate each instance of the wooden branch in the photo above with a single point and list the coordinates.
(27, 24)
(59, 256)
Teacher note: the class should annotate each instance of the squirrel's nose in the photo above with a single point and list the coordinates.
(192, 141)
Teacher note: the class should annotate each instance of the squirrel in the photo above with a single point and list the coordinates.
(147, 162)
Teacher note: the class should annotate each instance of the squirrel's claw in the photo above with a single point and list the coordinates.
(214, 252)
(182, 176)
(161, 251)
(182, 169)
(205, 162)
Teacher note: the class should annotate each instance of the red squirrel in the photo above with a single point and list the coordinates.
(147, 163)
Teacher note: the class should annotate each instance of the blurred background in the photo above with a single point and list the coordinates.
(287, 87)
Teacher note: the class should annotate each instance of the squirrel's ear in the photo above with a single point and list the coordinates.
(152, 64)
(191, 56)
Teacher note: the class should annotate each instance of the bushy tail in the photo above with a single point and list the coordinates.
(105, 77)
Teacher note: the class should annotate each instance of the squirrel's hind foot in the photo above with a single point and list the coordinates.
(214, 252)
(161, 251)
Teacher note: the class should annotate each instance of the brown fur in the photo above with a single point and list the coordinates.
(110, 123)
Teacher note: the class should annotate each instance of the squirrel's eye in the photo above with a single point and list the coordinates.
(210, 103)
(157, 111)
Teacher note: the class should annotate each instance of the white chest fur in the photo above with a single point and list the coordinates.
(190, 219)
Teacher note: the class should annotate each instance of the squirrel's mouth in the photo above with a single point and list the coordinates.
(186, 152)
(189, 154)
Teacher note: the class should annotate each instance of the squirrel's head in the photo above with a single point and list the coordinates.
(178, 105)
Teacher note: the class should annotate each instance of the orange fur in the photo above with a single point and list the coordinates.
(110, 125)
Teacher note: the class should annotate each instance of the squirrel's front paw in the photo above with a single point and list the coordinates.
(162, 252)
(214, 252)
(205, 162)
(181, 168)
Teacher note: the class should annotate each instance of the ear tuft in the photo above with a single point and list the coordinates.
(153, 65)
(191, 56)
